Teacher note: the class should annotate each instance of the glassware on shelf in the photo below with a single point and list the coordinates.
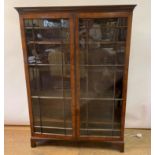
(53, 24)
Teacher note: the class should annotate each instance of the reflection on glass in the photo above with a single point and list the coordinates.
(49, 71)
(52, 116)
(102, 52)
(102, 41)
(97, 82)
(47, 38)
(50, 81)
(100, 118)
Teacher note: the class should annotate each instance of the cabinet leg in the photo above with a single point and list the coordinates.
(121, 147)
(33, 143)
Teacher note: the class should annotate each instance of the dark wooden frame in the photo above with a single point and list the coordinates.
(74, 13)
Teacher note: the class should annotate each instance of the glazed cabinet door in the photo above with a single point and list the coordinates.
(48, 52)
(100, 54)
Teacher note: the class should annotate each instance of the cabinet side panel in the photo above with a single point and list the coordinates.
(26, 72)
(125, 80)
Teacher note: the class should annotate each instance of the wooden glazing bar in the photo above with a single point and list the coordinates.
(106, 42)
(77, 76)
(72, 74)
(87, 49)
(52, 127)
(45, 28)
(47, 120)
(50, 97)
(63, 93)
(40, 115)
(107, 27)
(44, 42)
(113, 108)
(108, 65)
(97, 129)
(117, 99)
(36, 82)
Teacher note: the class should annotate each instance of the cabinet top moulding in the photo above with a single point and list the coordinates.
(99, 8)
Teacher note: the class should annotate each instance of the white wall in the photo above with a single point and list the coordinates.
(138, 99)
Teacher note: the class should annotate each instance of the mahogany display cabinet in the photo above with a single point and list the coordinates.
(76, 66)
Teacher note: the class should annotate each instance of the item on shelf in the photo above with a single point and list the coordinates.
(39, 36)
(64, 23)
(51, 24)
(95, 32)
(35, 23)
(108, 34)
(34, 53)
(110, 51)
(33, 59)
(82, 42)
(55, 56)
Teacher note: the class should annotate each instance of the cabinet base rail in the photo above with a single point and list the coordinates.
(118, 145)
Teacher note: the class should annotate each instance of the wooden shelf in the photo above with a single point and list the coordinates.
(46, 28)
(48, 65)
(97, 129)
(50, 127)
(103, 27)
(50, 97)
(48, 42)
(105, 42)
(102, 99)
(106, 65)
(50, 120)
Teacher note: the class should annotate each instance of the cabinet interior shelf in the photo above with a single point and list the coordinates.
(51, 97)
(51, 120)
(47, 28)
(88, 129)
(105, 42)
(103, 27)
(61, 42)
(53, 42)
(104, 65)
(65, 97)
(48, 64)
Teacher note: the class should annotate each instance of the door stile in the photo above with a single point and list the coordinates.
(77, 76)
(125, 76)
(72, 59)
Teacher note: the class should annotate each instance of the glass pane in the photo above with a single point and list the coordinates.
(47, 41)
(96, 82)
(48, 53)
(100, 117)
(50, 81)
(102, 41)
(102, 45)
(118, 82)
(48, 56)
(52, 116)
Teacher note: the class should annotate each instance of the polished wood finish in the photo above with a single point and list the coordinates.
(73, 14)
(104, 8)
